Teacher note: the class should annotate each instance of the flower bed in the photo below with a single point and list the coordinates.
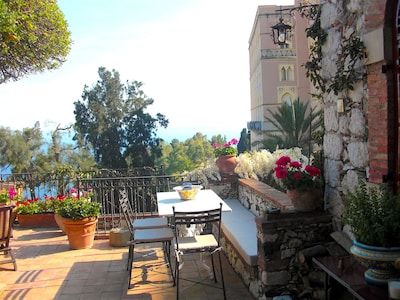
(40, 212)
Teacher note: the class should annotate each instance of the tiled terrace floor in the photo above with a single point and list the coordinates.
(49, 269)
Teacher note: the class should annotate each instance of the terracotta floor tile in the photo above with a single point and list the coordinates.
(49, 269)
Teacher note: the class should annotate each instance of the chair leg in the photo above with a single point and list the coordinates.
(13, 260)
(129, 257)
(167, 255)
(213, 267)
(222, 274)
(176, 281)
(130, 263)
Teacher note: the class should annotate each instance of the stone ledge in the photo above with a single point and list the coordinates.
(268, 193)
(292, 219)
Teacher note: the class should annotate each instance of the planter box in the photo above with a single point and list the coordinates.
(38, 220)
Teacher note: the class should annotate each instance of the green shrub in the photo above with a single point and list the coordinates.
(373, 215)
(75, 209)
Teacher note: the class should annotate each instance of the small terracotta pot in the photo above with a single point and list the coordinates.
(305, 201)
(226, 164)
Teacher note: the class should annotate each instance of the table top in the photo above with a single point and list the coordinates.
(350, 274)
(205, 200)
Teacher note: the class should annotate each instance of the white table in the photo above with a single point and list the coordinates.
(205, 200)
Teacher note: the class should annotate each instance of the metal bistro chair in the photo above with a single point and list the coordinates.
(162, 235)
(203, 243)
(144, 223)
(6, 220)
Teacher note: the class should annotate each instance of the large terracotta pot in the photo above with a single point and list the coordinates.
(80, 232)
(36, 220)
(59, 222)
(381, 262)
(305, 201)
(226, 164)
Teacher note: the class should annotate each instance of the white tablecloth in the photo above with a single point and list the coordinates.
(205, 200)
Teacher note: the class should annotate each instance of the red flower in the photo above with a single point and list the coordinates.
(281, 172)
(297, 175)
(296, 164)
(283, 160)
(313, 171)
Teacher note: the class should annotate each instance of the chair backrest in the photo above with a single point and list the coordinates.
(205, 217)
(126, 210)
(5, 224)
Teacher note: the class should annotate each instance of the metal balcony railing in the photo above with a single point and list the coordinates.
(141, 185)
(141, 191)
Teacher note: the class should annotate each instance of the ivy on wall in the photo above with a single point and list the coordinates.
(351, 52)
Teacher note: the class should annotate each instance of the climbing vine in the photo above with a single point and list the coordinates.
(351, 53)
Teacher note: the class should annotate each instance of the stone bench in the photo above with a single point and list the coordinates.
(240, 232)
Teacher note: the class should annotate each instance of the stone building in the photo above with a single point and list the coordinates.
(360, 95)
(276, 69)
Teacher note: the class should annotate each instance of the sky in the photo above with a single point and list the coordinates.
(191, 56)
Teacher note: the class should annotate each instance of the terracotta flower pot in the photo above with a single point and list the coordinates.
(59, 222)
(80, 232)
(36, 220)
(304, 201)
(226, 164)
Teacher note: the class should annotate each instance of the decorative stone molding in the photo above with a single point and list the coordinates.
(276, 53)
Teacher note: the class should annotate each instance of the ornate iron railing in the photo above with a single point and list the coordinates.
(141, 191)
(141, 185)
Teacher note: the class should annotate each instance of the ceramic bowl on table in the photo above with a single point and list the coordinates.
(188, 192)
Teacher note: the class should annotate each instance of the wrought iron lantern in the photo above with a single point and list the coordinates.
(280, 32)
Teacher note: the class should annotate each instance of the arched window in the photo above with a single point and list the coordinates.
(286, 73)
(287, 98)
(283, 74)
(289, 74)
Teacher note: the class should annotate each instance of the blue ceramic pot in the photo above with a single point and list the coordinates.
(381, 262)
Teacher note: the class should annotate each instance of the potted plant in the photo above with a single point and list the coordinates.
(226, 156)
(79, 217)
(36, 212)
(372, 214)
(8, 196)
(303, 184)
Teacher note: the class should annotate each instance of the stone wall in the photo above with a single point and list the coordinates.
(361, 141)
(281, 235)
(280, 239)
(358, 142)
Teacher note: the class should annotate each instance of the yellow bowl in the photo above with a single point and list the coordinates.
(188, 192)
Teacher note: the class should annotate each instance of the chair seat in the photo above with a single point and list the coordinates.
(197, 242)
(148, 223)
(153, 235)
